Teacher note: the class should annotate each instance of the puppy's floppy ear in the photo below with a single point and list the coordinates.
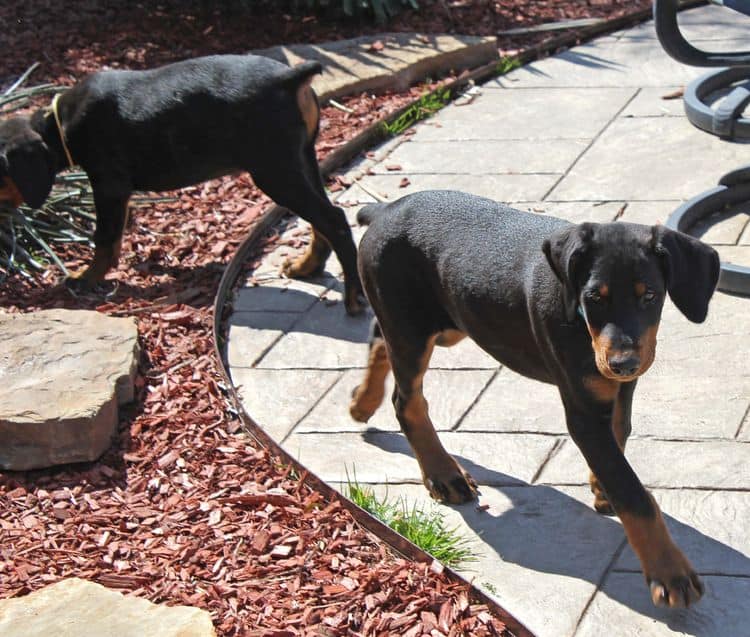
(566, 250)
(30, 168)
(691, 270)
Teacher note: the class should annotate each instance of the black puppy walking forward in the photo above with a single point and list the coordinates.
(577, 306)
(176, 126)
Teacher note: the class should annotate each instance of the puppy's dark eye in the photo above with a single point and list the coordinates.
(648, 297)
(594, 297)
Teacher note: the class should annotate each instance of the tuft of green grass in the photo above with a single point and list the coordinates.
(507, 64)
(424, 527)
(424, 107)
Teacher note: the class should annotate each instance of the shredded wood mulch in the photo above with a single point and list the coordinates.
(185, 508)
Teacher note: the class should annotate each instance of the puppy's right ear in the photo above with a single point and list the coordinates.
(29, 165)
(566, 251)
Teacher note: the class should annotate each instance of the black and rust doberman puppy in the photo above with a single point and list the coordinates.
(577, 306)
(175, 126)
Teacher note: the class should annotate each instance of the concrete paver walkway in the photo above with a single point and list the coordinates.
(584, 135)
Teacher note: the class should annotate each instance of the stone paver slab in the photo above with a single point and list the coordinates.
(480, 157)
(722, 228)
(651, 102)
(565, 113)
(77, 608)
(278, 399)
(744, 433)
(384, 456)
(499, 407)
(500, 187)
(738, 255)
(280, 295)
(324, 338)
(693, 407)
(576, 211)
(625, 609)
(449, 393)
(250, 334)
(710, 464)
(649, 213)
(709, 526)
(622, 164)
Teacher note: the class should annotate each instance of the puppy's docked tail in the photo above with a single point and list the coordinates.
(298, 74)
(366, 214)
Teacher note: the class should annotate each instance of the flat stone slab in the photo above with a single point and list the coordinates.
(64, 373)
(579, 113)
(623, 609)
(447, 406)
(355, 65)
(385, 456)
(709, 464)
(77, 608)
(709, 526)
(478, 156)
(622, 163)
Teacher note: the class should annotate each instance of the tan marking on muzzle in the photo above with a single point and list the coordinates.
(602, 346)
(9, 192)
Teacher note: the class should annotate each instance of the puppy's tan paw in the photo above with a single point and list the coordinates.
(679, 591)
(454, 487)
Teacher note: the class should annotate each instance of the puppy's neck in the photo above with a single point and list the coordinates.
(43, 122)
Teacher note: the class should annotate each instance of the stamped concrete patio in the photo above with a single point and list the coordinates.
(584, 135)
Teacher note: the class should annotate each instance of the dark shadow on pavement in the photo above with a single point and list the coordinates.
(548, 547)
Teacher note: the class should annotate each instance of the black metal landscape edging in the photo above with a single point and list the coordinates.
(337, 159)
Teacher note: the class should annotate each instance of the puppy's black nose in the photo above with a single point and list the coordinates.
(624, 364)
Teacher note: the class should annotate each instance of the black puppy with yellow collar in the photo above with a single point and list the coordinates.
(577, 306)
(175, 126)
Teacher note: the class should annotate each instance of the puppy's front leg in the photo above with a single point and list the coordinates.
(111, 217)
(444, 478)
(669, 574)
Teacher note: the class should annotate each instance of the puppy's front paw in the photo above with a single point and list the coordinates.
(363, 405)
(452, 487)
(678, 591)
(601, 502)
(306, 266)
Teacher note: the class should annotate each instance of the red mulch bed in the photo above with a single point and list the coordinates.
(184, 508)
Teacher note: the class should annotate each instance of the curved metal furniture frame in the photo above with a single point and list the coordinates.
(733, 189)
(674, 43)
(726, 120)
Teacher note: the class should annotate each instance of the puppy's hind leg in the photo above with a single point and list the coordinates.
(368, 395)
(294, 182)
(442, 475)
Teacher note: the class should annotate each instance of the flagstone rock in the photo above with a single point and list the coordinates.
(76, 608)
(63, 374)
(386, 61)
